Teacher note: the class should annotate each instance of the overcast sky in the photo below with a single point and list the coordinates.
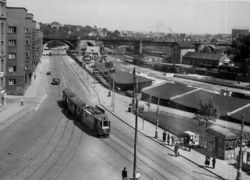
(197, 16)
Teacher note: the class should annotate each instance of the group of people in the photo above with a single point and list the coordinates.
(207, 161)
(168, 137)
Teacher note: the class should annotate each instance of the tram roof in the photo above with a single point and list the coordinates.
(77, 101)
(68, 92)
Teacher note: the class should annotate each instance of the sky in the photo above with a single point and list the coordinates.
(181, 16)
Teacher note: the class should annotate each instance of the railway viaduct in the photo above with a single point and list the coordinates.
(74, 42)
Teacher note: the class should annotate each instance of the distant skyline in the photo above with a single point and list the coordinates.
(186, 16)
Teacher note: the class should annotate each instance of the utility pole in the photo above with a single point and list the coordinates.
(113, 95)
(136, 114)
(240, 152)
(157, 119)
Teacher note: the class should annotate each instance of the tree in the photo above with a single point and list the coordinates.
(209, 113)
(240, 52)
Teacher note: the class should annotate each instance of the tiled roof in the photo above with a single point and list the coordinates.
(123, 77)
(167, 90)
(185, 45)
(207, 56)
(225, 104)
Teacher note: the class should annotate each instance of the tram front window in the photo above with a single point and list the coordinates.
(105, 124)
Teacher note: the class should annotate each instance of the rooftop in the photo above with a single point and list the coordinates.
(207, 56)
(224, 104)
(167, 90)
(123, 77)
(221, 131)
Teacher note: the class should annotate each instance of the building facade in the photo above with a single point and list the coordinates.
(239, 32)
(208, 60)
(22, 50)
(179, 49)
(3, 48)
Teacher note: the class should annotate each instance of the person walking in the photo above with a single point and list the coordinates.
(176, 147)
(168, 139)
(207, 161)
(124, 174)
(214, 161)
(172, 140)
(164, 134)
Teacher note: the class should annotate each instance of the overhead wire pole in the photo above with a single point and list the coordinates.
(240, 152)
(157, 119)
(136, 119)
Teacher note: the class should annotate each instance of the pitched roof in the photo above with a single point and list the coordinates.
(167, 90)
(185, 45)
(238, 115)
(207, 56)
(225, 104)
(221, 131)
(124, 77)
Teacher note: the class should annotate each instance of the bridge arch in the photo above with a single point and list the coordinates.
(70, 44)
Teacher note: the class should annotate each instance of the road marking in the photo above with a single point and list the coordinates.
(40, 102)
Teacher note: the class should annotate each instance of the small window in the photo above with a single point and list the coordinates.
(12, 56)
(26, 30)
(100, 123)
(26, 42)
(12, 43)
(12, 29)
(12, 69)
(12, 82)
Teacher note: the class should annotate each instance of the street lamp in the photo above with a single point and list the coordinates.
(157, 119)
(240, 152)
(136, 119)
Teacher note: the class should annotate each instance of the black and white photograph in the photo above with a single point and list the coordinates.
(125, 90)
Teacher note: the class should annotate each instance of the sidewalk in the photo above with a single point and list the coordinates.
(14, 106)
(223, 170)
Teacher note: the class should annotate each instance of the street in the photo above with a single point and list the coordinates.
(46, 143)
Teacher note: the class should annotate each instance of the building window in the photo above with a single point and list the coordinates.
(26, 42)
(2, 28)
(26, 55)
(12, 56)
(12, 69)
(12, 43)
(2, 65)
(12, 29)
(12, 82)
(26, 30)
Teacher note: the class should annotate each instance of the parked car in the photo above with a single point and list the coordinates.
(48, 73)
(55, 81)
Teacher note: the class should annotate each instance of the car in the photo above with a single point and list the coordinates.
(55, 81)
(48, 73)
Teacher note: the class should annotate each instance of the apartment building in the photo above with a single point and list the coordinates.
(15, 66)
(3, 48)
(22, 49)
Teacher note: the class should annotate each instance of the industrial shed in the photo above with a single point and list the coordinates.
(225, 104)
(125, 81)
(165, 92)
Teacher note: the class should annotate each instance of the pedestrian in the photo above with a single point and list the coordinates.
(188, 142)
(176, 147)
(34, 76)
(172, 139)
(214, 161)
(207, 161)
(124, 174)
(168, 139)
(164, 136)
